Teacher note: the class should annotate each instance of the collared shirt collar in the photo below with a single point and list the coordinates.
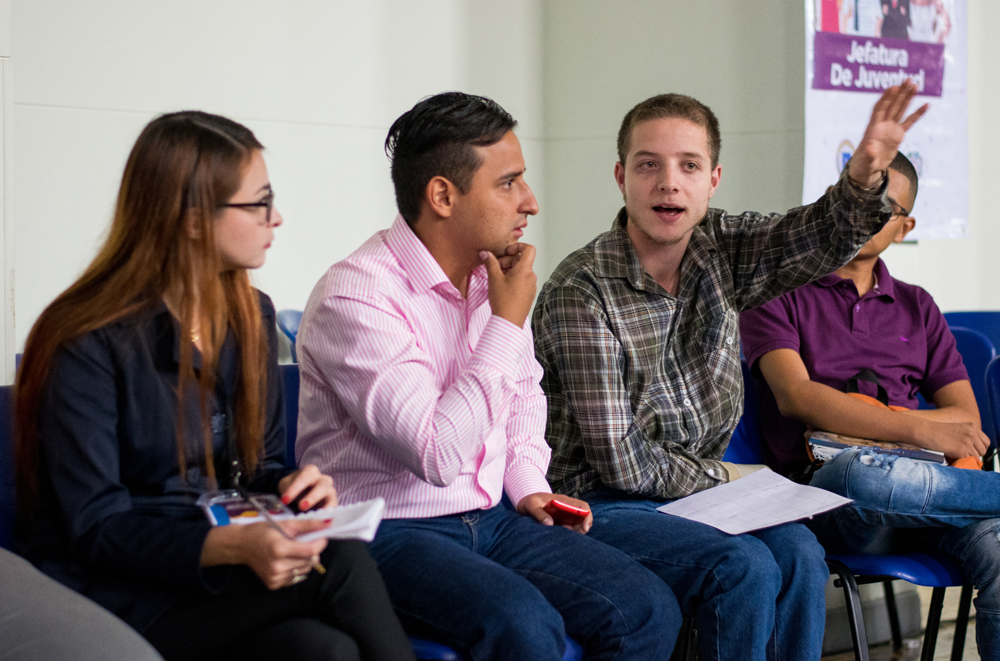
(167, 346)
(615, 256)
(883, 281)
(422, 270)
(167, 329)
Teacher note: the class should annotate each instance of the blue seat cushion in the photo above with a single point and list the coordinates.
(934, 570)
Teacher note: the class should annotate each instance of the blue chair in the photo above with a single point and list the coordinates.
(744, 447)
(986, 322)
(8, 493)
(935, 570)
(977, 351)
(288, 323)
(426, 650)
(930, 569)
(975, 354)
(993, 392)
(290, 383)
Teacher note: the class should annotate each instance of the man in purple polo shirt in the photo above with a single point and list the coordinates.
(803, 348)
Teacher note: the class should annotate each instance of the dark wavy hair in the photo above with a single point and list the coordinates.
(436, 138)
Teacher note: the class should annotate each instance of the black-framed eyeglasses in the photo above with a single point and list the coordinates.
(266, 203)
(897, 209)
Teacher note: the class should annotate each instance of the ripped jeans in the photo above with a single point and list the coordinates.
(905, 505)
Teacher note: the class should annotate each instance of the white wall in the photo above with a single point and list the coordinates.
(745, 60)
(963, 274)
(7, 332)
(318, 82)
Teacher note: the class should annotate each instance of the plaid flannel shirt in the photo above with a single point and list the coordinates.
(645, 389)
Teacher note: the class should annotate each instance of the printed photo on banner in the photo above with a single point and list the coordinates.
(855, 49)
(927, 21)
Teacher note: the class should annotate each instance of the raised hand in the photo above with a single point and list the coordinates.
(512, 290)
(883, 135)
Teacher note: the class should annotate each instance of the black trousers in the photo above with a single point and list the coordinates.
(343, 615)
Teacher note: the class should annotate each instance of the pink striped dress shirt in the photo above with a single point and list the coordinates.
(413, 393)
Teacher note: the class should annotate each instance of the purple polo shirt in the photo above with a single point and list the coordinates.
(895, 330)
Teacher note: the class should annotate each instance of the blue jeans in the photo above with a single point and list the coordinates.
(755, 596)
(502, 586)
(902, 504)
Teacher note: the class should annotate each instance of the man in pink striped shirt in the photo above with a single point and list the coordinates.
(419, 384)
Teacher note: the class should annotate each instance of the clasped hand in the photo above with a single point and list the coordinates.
(512, 283)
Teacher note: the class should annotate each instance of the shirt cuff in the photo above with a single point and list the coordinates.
(867, 201)
(714, 470)
(758, 352)
(936, 382)
(210, 579)
(503, 346)
(523, 481)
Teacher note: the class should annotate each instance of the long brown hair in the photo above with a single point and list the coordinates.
(182, 168)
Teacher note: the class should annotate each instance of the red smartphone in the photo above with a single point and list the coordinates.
(564, 514)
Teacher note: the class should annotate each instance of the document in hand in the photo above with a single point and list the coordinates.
(759, 500)
(356, 521)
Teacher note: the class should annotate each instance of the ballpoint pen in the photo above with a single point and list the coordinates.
(274, 524)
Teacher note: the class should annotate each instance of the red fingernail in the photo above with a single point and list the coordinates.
(286, 499)
(304, 505)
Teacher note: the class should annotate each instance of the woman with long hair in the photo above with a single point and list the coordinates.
(152, 380)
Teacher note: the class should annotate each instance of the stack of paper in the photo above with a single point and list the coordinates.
(759, 500)
(357, 521)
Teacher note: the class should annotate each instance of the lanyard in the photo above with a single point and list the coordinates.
(235, 472)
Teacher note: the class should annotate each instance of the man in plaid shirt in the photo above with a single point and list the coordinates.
(638, 335)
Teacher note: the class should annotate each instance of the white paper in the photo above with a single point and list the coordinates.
(759, 500)
(357, 521)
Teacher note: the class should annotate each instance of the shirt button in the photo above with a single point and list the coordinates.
(687, 402)
(857, 308)
(710, 471)
(729, 340)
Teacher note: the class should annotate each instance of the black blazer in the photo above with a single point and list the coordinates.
(116, 521)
